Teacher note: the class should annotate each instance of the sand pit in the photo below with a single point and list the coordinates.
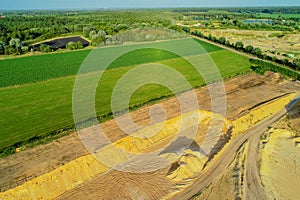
(124, 152)
(244, 94)
(280, 165)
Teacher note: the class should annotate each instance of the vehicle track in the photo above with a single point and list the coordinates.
(254, 188)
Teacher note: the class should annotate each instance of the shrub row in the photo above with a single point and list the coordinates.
(249, 49)
(261, 67)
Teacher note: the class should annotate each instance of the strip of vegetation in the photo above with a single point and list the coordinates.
(261, 67)
(38, 109)
(249, 49)
(56, 134)
(20, 30)
(33, 69)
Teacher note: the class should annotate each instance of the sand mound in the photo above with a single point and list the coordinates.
(187, 162)
(274, 77)
(124, 154)
(261, 112)
(56, 182)
(280, 166)
(187, 166)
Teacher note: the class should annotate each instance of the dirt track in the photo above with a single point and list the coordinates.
(243, 93)
(227, 157)
(122, 185)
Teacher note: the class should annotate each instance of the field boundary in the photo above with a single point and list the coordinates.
(250, 56)
(59, 133)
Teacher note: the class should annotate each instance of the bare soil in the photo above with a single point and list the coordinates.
(266, 40)
(243, 93)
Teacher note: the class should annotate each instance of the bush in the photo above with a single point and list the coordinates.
(24, 49)
(74, 45)
(45, 48)
(222, 40)
(2, 49)
(79, 45)
(257, 52)
(9, 50)
(249, 48)
(198, 33)
(239, 45)
(71, 45)
(261, 67)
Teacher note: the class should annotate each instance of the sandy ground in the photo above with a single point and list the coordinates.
(280, 166)
(230, 184)
(266, 40)
(279, 155)
(280, 158)
(243, 93)
(122, 185)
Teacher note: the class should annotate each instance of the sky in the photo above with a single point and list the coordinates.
(98, 4)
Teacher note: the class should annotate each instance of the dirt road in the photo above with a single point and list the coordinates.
(255, 189)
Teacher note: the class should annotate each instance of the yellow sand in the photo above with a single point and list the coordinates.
(62, 179)
(245, 122)
(58, 181)
(140, 142)
(196, 162)
(280, 166)
(190, 164)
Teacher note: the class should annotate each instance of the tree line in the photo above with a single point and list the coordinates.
(295, 64)
(261, 67)
(19, 30)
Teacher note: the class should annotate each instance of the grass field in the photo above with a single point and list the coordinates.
(33, 69)
(36, 109)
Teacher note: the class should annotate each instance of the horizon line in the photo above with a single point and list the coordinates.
(141, 8)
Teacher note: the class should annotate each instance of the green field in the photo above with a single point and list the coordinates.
(36, 109)
(33, 69)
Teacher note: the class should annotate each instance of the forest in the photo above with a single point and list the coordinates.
(20, 30)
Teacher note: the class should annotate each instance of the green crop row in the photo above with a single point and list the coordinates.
(33, 69)
(37, 110)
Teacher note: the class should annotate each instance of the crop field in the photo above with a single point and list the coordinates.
(42, 100)
(49, 66)
(39, 68)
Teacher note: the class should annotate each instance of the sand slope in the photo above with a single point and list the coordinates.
(280, 166)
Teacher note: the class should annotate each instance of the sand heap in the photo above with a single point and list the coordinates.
(185, 163)
(72, 174)
(189, 165)
(260, 113)
(280, 165)
(58, 181)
